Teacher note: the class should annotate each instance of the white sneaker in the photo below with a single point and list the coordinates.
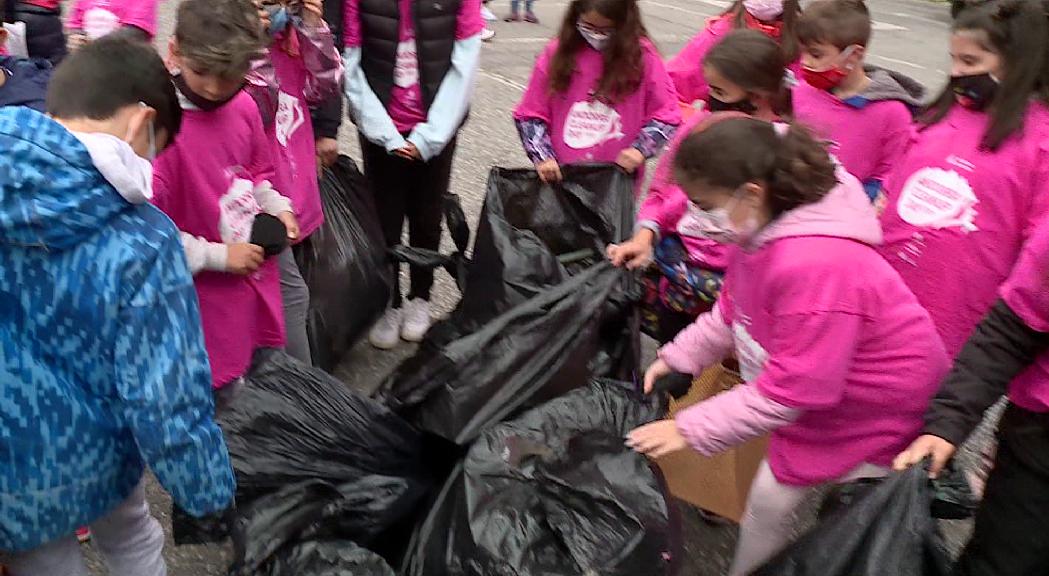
(487, 34)
(387, 331)
(416, 320)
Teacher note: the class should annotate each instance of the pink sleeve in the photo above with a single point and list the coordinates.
(141, 14)
(899, 131)
(686, 68)
(470, 22)
(76, 19)
(261, 84)
(535, 102)
(1027, 289)
(665, 202)
(705, 342)
(322, 61)
(351, 24)
(661, 100)
(731, 418)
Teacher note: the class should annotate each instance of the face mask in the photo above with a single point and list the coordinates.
(279, 18)
(717, 224)
(767, 10)
(197, 100)
(831, 77)
(974, 91)
(745, 105)
(597, 40)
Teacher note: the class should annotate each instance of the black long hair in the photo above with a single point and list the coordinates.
(623, 59)
(1019, 32)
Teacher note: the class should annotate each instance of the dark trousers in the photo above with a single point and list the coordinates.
(412, 190)
(1011, 537)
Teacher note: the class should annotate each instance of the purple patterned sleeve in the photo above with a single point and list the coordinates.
(654, 137)
(535, 136)
(323, 62)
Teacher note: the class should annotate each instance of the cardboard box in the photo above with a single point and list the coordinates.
(717, 484)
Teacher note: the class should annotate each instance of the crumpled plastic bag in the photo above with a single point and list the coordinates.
(554, 492)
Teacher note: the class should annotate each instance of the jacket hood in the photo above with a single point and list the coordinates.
(891, 85)
(52, 193)
(845, 212)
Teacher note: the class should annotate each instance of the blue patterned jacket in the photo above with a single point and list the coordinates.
(102, 362)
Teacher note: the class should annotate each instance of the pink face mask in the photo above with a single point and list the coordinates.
(765, 10)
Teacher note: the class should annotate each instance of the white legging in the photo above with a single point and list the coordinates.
(766, 525)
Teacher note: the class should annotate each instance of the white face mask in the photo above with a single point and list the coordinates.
(597, 40)
(764, 10)
(717, 224)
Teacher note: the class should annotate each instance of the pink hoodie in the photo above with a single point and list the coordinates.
(100, 17)
(583, 129)
(958, 215)
(840, 360)
(1027, 294)
(308, 71)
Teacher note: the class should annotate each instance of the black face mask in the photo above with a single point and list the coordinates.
(745, 106)
(974, 91)
(196, 99)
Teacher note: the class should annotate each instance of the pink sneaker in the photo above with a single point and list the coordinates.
(83, 534)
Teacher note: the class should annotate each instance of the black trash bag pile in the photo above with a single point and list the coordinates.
(888, 530)
(952, 497)
(341, 264)
(554, 492)
(542, 310)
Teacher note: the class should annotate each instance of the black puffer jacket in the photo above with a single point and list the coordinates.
(45, 36)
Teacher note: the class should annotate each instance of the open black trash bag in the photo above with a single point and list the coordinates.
(554, 492)
(542, 310)
(343, 264)
(952, 497)
(296, 426)
(888, 530)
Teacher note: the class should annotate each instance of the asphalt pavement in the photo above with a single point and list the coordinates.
(910, 37)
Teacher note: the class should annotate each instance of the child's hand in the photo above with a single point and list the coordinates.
(327, 151)
(634, 253)
(264, 15)
(630, 159)
(291, 223)
(657, 370)
(244, 259)
(549, 171)
(928, 445)
(657, 439)
(409, 152)
(313, 13)
(75, 41)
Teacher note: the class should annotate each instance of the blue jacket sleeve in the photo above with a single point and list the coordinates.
(163, 382)
(366, 111)
(452, 101)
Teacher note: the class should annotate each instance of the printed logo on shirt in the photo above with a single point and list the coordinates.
(237, 211)
(938, 198)
(406, 71)
(591, 123)
(99, 22)
(751, 355)
(290, 117)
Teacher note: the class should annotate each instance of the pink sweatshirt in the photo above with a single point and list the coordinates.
(212, 182)
(840, 360)
(308, 71)
(666, 203)
(100, 17)
(1027, 294)
(583, 129)
(958, 214)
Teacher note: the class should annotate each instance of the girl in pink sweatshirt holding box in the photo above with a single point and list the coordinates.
(840, 360)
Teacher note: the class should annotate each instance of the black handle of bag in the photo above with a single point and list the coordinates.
(455, 263)
(676, 384)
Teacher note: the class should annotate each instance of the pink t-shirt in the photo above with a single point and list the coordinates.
(958, 215)
(204, 182)
(406, 107)
(824, 325)
(100, 17)
(868, 141)
(1027, 294)
(294, 145)
(584, 129)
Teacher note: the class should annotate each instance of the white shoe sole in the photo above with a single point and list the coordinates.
(384, 344)
(413, 338)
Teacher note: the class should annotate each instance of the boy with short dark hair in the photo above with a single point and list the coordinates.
(865, 112)
(103, 369)
(23, 81)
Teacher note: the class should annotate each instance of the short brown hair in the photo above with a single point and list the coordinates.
(220, 36)
(841, 23)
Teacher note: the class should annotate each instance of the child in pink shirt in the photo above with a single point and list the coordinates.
(306, 71)
(746, 76)
(598, 93)
(839, 359)
(774, 18)
(216, 178)
(865, 113)
(93, 19)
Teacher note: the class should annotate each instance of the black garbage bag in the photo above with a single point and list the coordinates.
(887, 530)
(328, 558)
(554, 492)
(952, 497)
(294, 427)
(343, 264)
(542, 310)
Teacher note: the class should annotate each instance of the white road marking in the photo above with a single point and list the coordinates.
(504, 80)
(900, 62)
